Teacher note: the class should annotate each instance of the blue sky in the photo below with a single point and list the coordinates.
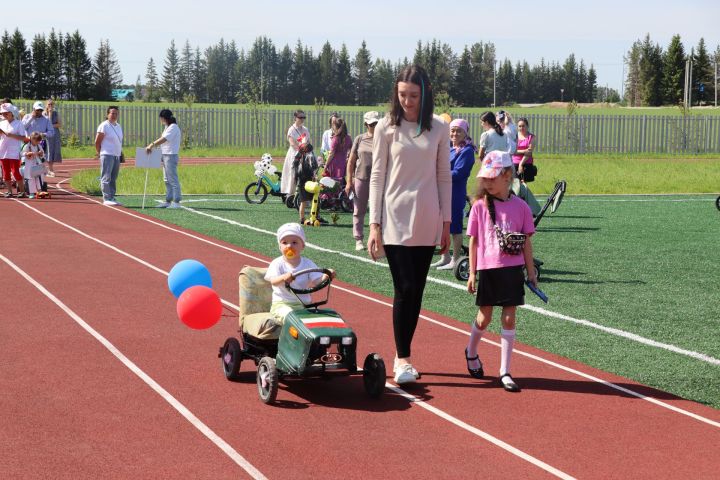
(598, 32)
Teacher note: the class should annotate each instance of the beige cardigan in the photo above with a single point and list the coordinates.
(410, 184)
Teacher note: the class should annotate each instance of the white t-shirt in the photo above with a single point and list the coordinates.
(9, 147)
(280, 267)
(172, 136)
(327, 136)
(112, 141)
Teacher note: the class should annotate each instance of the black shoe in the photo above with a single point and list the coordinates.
(474, 372)
(510, 386)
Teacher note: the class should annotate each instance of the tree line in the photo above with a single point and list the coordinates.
(656, 76)
(57, 65)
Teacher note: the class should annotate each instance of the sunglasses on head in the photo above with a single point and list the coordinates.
(301, 118)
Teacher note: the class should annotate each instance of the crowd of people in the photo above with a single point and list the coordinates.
(30, 146)
(409, 171)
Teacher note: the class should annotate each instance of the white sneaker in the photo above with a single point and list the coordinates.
(405, 374)
(174, 205)
(163, 205)
(359, 245)
(396, 366)
(110, 203)
(50, 174)
(447, 266)
(439, 263)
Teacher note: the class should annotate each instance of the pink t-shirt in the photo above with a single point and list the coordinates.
(512, 215)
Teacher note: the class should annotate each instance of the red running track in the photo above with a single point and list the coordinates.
(134, 393)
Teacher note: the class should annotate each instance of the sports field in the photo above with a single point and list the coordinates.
(632, 280)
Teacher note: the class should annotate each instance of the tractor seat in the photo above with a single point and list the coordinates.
(255, 297)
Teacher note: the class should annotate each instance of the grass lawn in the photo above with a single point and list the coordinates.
(644, 265)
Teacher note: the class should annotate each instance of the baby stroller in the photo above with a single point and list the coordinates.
(462, 267)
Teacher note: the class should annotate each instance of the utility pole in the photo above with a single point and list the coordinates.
(494, 70)
(716, 79)
(262, 84)
(20, 70)
(622, 81)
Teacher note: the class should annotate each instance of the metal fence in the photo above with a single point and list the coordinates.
(266, 128)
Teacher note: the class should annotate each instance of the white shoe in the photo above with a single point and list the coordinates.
(447, 266)
(174, 205)
(163, 205)
(396, 366)
(405, 374)
(50, 174)
(359, 245)
(110, 203)
(440, 263)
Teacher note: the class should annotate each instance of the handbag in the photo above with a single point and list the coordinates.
(529, 172)
(511, 243)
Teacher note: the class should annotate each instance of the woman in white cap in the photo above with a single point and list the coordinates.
(359, 167)
(12, 136)
(410, 193)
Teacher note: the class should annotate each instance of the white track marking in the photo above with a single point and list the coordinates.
(458, 286)
(424, 317)
(480, 433)
(167, 396)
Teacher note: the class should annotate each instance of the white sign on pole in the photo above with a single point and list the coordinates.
(147, 161)
(143, 160)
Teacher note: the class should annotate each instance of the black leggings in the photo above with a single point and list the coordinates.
(409, 267)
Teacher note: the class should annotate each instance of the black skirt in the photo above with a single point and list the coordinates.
(501, 287)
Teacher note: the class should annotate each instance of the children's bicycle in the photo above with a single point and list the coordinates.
(258, 191)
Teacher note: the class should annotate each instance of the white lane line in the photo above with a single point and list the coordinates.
(167, 396)
(480, 433)
(436, 411)
(458, 286)
(424, 317)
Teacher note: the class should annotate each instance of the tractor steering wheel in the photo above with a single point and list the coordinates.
(316, 288)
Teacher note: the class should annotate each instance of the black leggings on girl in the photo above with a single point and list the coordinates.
(409, 267)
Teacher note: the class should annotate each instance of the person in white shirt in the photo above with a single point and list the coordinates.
(282, 270)
(510, 129)
(12, 136)
(169, 143)
(327, 136)
(108, 148)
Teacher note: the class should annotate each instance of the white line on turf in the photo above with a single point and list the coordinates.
(424, 317)
(542, 311)
(446, 416)
(167, 396)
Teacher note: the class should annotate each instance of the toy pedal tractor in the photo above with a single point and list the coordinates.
(310, 342)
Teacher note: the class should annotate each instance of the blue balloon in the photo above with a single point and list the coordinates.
(186, 274)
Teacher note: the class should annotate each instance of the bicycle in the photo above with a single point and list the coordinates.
(258, 191)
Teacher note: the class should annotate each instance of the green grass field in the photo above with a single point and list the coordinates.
(642, 264)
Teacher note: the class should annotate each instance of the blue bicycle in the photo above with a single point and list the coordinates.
(258, 191)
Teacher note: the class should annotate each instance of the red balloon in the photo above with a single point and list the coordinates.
(199, 307)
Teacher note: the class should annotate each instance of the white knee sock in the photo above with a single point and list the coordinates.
(506, 348)
(475, 336)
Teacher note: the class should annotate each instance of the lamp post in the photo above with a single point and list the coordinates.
(494, 75)
(562, 90)
(20, 70)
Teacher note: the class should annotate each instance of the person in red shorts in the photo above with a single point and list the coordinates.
(12, 135)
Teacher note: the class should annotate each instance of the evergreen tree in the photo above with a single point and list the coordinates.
(55, 65)
(504, 83)
(632, 82)
(185, 71)
(673, 72)
(284, 76)
(152, 84)
(15, 64)
(382, 81)
(327, 68)
(171, 71)
(703, 81)
(78, 68)
(38, 81)
(199, 77)
(362, 73)
(591, 85)
(461, 89)
(650, 73)
(106, 71)
(234, 69)
(344, 78)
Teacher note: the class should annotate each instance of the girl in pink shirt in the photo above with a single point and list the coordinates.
(498, 259)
